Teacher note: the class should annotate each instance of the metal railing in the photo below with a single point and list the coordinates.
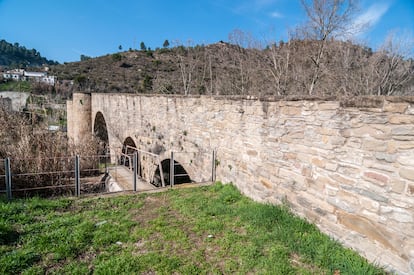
(57, 175)
(78, 175)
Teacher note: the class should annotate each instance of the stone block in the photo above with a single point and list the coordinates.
(368, 228)
(403, 144)
(353, 142)
(398, 186)
(364, 131)
(410, 110)
(385, 157)
(331, 190)
(399, 107)
(289, 156)
(297, 181)
(291, 110)
(349, 170)
(398, 214)
(382, 166)
(331, 166)
(366, 192)
(377, 178)
(374, 119)
(407, 173)
(342, 179)
(327, 131)
(341, 204)
(330, 105)
(410, 189)
(303, 202)
(406, 160)
(403, 130)
(252, 153)
(319, 162)
(370, 205)
(374, 145)
(348, 156)
(401, 119)
(266, 183)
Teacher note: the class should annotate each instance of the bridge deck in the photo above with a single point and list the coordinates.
(124, 179)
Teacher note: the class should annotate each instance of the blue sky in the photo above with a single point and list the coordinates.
(62, 30)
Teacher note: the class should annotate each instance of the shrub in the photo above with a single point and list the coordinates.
(32, 150)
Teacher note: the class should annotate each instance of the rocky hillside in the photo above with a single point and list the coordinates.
(225, 69)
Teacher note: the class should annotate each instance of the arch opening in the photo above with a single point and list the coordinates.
(100, 131)
(128, 150)
(180, 174)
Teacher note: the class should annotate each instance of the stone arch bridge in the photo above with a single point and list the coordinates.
(347, 166)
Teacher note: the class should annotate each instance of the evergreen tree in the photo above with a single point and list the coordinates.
(15, 55)
(143, 47)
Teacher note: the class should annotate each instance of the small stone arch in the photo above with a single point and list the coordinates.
(128, 150)
(181, 175)
(128, 143)
(100, 131)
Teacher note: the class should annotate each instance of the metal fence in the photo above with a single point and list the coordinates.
(49, 176)
(79, 175)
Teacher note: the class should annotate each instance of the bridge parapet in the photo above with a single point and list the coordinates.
(345, 165)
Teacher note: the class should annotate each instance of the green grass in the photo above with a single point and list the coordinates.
(206, 230)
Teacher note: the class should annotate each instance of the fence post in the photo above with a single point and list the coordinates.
(213, 167)
(161, 172)
(135, 170)
(77, 176)
(172, 166)
(8, 178)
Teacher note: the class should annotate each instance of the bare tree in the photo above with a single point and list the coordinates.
(326, 19)
(390, 66)
(280, 58)
(188, 59)
(247, 60)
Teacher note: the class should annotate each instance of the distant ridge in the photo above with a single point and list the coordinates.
(16, 56)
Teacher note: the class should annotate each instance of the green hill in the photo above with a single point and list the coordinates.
(16, 56)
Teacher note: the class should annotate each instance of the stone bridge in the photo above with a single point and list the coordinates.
(346, 166)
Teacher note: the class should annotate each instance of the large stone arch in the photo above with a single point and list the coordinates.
(100, 131)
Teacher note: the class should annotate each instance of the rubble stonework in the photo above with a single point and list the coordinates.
(347, 166)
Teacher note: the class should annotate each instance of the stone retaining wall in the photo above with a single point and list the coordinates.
(347, 166)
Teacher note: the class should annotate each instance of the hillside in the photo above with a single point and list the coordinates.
(285, 69)
(16, 56)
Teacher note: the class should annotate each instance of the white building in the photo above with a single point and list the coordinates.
(14, 74)
(20, 75)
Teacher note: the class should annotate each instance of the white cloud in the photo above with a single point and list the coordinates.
(371, 17)
(276, 14)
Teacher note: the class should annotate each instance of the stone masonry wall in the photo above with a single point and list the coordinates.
(348, 166)
(78, 117)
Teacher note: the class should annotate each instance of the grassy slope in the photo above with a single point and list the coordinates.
(189, 231)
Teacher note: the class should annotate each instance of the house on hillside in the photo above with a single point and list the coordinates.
(22, 75)
(17, 74)
(40, 77)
